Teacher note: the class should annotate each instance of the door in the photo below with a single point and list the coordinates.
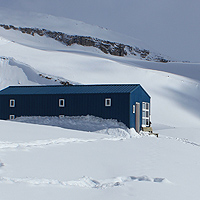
(137, 117)
(145, 114)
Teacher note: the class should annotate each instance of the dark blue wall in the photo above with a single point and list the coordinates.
(139, 95)
(75, 105)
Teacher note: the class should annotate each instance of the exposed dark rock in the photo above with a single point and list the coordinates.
(113, 48)
(62, 82)
(7, 27)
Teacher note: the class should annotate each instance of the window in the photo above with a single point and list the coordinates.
(108, 102)
(145, 114)
(11, 116)
(133, 108)
(61, 103)
(12, 103)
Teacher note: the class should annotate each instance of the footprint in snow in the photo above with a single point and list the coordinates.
(1, 164)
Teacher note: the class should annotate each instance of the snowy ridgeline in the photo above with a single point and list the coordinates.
(83, 123)
(16, 73)
(107, 47)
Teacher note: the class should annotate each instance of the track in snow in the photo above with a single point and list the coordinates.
(51, 142)
(184, 140)
(84, 182)
(63, 141)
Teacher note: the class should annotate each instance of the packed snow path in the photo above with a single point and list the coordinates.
(46, 143)
(85, 182)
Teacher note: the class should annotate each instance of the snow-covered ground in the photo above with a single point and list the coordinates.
(46, 162)
(91, 158)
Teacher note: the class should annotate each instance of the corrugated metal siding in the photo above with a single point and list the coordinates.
(78, 89)
(139, 95)
(75, 105)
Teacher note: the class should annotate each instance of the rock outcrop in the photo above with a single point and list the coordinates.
(113, 48)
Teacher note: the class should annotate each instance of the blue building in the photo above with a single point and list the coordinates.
(128, 103)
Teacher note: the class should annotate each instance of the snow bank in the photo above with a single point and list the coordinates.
(83, 123)
(16, 73)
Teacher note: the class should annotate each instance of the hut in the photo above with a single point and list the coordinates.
(127, 103)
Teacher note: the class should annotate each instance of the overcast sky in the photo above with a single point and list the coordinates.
(169, 26)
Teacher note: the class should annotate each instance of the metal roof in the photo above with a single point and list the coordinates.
(75, 89)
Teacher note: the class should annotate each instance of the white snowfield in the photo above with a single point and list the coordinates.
(48, 158)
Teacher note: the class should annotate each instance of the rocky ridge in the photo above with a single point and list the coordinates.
(112, 48)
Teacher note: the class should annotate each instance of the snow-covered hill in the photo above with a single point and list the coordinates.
(71, 32)
(111, 162)
(170, 26)
(60, 24)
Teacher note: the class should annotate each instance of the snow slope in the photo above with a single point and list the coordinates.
(91, 158)
(47, 163)
(170, 26)
(68, 26)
